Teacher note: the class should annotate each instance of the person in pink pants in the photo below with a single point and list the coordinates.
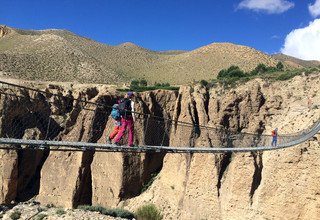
(126, 107)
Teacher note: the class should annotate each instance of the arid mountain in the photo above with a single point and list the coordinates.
(59, 55)
(295, 62)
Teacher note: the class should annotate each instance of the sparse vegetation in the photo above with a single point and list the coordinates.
(233, 75)
(142, 85)
(280, 66)
(148, 212)
(60, 211)
(15, 215)
(204, 83)
(40, 216)
(148, 184)
(287, 75)
(106, 211)
(231, 72)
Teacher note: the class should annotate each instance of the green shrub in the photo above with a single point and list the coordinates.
(161, 84)
(143, 82)
(60, 212)
(148, 212)
(261, 68)
(40, 216)
(204, 83)
(232, 71)
(134, 83)
(15, 215)
(280, 66)
(287, 75)
(122, 213)
(141, 86)
(311, 70)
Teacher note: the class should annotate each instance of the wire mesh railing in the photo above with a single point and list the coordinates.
(61, 120)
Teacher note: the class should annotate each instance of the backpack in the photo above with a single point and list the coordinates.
(115, 114)
(125, 107)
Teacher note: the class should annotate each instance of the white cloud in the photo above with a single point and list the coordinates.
(315, 8)
(304, 43)
(269, 6)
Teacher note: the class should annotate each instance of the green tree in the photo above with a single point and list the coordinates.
(261, 68)
(143, 82)
(232, 71)
(204, 83)
(280, 66)
(134, 83)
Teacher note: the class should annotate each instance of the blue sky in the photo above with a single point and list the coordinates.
(173, 24)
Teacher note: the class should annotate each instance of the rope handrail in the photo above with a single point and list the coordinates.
(48, 125)
(218, 127)
(81, 146)
(108, 106)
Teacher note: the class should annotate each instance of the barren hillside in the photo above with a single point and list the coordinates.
(60, 55)
(295, 62)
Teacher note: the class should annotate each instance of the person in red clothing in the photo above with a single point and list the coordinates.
(274, 135)
(126, 107)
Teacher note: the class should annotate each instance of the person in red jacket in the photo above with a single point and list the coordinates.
(274, 135)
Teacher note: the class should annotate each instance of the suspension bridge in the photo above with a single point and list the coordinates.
(30, 120)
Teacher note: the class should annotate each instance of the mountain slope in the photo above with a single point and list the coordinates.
(59, 55)
(295, 62)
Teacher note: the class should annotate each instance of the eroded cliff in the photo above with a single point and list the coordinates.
(264, 185)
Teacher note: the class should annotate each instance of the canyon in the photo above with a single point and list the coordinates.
(279, 184)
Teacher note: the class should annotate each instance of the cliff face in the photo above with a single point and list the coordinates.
(266, 185)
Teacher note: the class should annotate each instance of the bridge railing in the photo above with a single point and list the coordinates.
(29, 114)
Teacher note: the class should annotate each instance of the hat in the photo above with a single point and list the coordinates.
(130, 94)
(115, 106)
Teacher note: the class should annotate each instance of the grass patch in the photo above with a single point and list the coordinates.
(15, 215)
(148, 212)
(40, 216)
(60, 212)
(122, 213)
(287, 75)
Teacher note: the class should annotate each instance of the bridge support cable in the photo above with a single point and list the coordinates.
(31, 119)
(64, 145)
